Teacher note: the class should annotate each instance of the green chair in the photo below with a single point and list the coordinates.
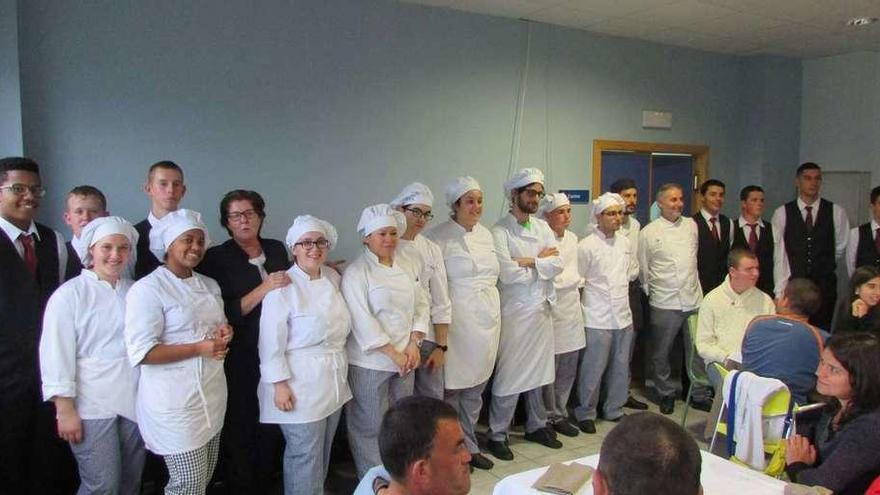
(697, 376)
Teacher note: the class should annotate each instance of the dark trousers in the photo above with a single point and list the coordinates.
(33, 460)
(828, 289)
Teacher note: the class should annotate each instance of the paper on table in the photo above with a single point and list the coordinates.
(564, 479)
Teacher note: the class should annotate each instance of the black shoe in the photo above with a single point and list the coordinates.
(564, 427)
(480, 461)
(667, 405)
(587, 426)
(544, 437)
(499, 449)
(615, 420)
(633, 403)
(702, 405)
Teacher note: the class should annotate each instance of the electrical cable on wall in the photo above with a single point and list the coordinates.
(518, 113)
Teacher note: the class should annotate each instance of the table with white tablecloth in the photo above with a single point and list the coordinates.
(718, 476)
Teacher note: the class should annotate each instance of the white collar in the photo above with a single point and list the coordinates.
(874, 225)
(676, 222)
(153, 219)
(802, 205)
(708, 216)
(743, 223)
(13, 232)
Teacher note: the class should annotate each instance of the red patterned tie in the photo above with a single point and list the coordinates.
(753, 237)
(809, 219)
(715, 228)
(30, 254)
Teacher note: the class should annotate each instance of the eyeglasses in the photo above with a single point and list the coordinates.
(613, 213)
(20, 189)
(419, 214)
(236, 216)
(533, 193)
(309, 245)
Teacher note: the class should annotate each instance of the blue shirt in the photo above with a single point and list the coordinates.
(365, 487)
(786, 349)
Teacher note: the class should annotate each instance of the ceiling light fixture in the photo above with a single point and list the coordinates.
(861, 21)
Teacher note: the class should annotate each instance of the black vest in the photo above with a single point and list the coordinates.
(712, 253)
(146, 261)
(810, 255)
(764, 252)
(23, 298)
(866, 253)
(74, 265)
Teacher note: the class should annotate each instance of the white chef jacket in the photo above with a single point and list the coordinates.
(781, 268)
(180, 405)
(568, 319)
(303, 329)
(525, 350)
(668, 264)
(386, 306)
(423, 254)
(472, 272)
(631, 228)
(723, 318)
(82, 348)
(604, 263)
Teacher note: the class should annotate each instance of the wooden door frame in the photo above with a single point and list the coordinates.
(699, 152)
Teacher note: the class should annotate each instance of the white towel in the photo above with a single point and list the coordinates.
(752, 391)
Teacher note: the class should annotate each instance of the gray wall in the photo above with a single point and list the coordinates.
(327, 106)
(10, 94)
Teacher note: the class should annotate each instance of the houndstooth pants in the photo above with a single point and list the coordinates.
(190, 472)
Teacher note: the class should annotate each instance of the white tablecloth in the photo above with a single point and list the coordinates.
(719, 477)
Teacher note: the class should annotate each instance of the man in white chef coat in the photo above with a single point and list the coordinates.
(529, 258)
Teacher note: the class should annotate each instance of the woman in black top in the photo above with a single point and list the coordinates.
(246, 267)
(842, 454)
(860, 312)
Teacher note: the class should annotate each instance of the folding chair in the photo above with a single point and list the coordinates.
(697, 377)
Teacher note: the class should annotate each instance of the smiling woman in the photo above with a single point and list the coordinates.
(860, 312)
(247, 267)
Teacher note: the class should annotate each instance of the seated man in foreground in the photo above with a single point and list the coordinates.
(786, 346)
(648, 453)
(422, 448)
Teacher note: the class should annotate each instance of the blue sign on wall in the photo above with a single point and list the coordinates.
(577, 196)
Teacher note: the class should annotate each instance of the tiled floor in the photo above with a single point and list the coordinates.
(528, 455)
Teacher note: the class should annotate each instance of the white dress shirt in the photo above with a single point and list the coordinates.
(747, 231)
(82, 348)
(668, 264)
(386, 306)
(180, 405)
(852, 245)
(423, 254)
(723, 318)
(472, 272)
(14, 232)
(303, 330)
(604, 263)
(568, 318)
(708, 218)
(781, 268)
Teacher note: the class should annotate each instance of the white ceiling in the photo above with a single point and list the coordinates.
(795, 28)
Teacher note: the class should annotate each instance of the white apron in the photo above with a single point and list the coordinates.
(568, 319)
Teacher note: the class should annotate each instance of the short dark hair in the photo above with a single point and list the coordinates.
(408, 430)
(648, 453)
(87, 190)
(744, 192)
(875, 193)
(241, 195)
(803, 296)
(807, 166)
(709, 183)
(11, 163)
(622, 185)
(738, 254)
(858, 352)
(860, 276)
(167, 165)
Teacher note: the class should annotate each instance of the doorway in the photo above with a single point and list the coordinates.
(650, 165)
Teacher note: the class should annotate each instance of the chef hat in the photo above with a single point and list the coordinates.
(459, 187)
(378, 217)
(307, 223)
(415, 193)
(552, 201)
(601, 204)
(171, 226)
(100, 228)
(523, 178)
